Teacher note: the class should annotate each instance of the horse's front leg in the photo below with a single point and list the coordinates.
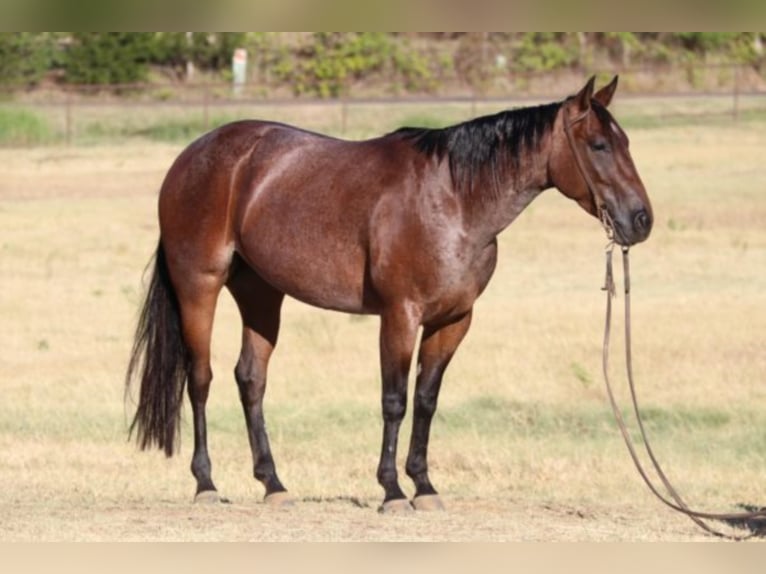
(437, 347)
(398, 333)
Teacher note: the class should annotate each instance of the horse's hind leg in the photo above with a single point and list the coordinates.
(197, 297)
(436, 350)
(260, 305)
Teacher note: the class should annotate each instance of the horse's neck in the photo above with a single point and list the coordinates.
(490, 216)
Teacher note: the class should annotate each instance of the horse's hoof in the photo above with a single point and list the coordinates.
(280, 499)
(207, 497)
(428, 503)
(396, 506)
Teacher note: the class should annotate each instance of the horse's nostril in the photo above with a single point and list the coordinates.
(642, 221)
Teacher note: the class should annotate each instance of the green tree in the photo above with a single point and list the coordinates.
(214, 51)
(108, 57)
(25, 57)
(206, 51)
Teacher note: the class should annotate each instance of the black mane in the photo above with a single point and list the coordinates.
(485, 151)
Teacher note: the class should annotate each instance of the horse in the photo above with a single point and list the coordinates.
(403, 226)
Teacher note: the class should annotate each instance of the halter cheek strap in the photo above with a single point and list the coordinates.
(601, 210)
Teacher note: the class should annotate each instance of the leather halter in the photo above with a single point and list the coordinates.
(598, 201)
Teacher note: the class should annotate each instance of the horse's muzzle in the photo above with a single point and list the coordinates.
(635, 230)
(642, 223)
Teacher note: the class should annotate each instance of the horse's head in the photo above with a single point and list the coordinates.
(591, 164)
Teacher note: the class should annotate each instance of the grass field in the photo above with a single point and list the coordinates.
(523, 446)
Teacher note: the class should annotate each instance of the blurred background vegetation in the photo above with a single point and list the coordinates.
(95, 87)
(334, 64)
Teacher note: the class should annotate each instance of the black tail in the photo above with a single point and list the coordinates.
(160, 359)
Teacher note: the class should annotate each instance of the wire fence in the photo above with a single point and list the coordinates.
(179, 112)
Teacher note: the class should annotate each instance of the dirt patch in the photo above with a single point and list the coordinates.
(343, 518)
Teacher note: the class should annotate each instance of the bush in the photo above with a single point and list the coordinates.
(25, 57)
(329, 64)
(108, 57)
(544, 51)
(326, 63)
(703, 42)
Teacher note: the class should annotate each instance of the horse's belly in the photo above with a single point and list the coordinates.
(321, 273)
(316, 290)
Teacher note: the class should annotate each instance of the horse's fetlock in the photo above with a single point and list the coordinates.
(416, 467)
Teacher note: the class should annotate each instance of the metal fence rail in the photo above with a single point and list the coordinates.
(88, 114)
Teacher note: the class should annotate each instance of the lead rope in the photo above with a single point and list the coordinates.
(679, 505)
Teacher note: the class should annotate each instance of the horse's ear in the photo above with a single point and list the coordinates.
(583, 97)
(604, 95)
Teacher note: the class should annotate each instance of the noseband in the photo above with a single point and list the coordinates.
(599, 202)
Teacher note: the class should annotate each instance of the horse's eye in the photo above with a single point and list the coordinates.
(599, 145)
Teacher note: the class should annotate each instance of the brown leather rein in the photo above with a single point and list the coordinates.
(756, 520)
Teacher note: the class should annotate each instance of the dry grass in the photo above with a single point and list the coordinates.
(523, 446)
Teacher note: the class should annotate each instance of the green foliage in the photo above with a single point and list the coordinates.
(731, 46)
(544, 51)
(25, 57)
(330, 60)
(413, 68)
(171, 49)
(108, 57)
(214, 51)
(207, 51)
(702, 42)
(331, 64)
(748, 48)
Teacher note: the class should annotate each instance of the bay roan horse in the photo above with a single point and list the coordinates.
(402, 226)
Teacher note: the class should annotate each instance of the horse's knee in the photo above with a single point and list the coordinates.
(394, 406)
(425, 404)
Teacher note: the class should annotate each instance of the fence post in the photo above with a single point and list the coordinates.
(68, 117)
(206, 106)
(735, 110)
